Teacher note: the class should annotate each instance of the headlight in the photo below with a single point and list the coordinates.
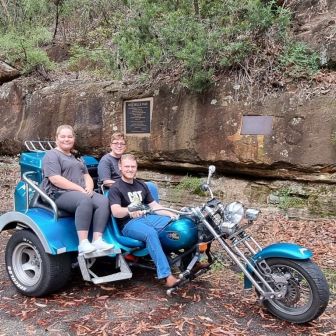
(251, 214)
(233, 214)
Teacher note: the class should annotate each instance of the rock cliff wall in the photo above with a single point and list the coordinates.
(292, 138)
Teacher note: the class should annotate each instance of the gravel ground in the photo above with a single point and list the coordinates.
(214, 304)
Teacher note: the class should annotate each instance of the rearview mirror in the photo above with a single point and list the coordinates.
(212, 169)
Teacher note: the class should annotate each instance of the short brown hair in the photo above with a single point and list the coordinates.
(118, 136)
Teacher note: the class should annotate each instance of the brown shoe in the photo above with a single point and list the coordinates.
(199, 266)
(171, 281)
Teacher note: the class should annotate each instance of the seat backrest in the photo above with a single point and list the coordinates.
(153, 188)
(92, 166)
(38, 202)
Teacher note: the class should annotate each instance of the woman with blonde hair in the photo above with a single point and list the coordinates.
(68, 183)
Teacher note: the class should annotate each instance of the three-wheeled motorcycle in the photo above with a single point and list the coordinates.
(42, 250)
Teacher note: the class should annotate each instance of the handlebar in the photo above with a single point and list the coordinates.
(179, 212)
(150, 211)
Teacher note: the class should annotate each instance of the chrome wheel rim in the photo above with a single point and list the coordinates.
(299, 294)
(27, 264)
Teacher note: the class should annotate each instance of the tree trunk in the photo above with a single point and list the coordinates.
(196, 8)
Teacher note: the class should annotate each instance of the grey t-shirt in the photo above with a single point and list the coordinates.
(108, 168)
(57, 163)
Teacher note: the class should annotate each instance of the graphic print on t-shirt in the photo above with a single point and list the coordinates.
(135, 197)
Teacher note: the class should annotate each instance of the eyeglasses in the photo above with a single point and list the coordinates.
(120, 144)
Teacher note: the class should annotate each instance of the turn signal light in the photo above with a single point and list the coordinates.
(202, 247)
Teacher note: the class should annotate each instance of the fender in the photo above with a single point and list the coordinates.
(279, 250)
(55, 237)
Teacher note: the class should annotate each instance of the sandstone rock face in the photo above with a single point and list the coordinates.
(202, 130)
(28, 114)
(316, 25)
(189, 132)
(7, 73)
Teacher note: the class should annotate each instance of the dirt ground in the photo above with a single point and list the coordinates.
(214, 304)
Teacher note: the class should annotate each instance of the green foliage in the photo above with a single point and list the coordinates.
(191, 184)
(98, 60)
(298, 60)
(25, 50)
(188, 185)
(197, 38)
(223, 34)
(289, 200)
(17, 14)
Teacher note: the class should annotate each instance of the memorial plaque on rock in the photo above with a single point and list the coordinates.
(137, 115)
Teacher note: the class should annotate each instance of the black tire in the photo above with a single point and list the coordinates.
(32, 271)
(307, 291)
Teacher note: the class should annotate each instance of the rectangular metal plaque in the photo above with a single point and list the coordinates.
(256, 125)
(138, 116)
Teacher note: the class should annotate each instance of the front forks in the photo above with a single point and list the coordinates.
(250, 271)
(279, 281)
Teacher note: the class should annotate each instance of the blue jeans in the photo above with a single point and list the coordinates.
(147, 229)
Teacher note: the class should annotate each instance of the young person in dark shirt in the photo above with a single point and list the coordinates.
(108, 167)
(68, 183)
(135, 224)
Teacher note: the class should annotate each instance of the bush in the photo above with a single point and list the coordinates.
(214, 36)
(99, 60)
(23, 49)
(200, 39)
(297, 60)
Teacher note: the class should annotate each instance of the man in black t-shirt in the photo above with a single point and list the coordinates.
(135, 224)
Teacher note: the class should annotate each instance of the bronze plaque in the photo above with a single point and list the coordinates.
(138, 116)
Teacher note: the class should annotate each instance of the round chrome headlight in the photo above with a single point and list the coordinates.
(234, 212)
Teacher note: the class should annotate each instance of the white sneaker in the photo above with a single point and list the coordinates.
(101, 245)
(86, 247)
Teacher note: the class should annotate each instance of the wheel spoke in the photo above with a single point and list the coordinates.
(29, 253)
(28, 266)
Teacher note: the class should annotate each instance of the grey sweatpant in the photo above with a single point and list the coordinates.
(95, 209)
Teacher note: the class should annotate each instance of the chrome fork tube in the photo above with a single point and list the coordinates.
(227, 248)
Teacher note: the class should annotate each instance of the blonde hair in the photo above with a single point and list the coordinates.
(118, 136)
(62, 127)
(127, 157)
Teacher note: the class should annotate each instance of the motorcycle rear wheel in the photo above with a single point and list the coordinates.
(32, 271)
(307, 292)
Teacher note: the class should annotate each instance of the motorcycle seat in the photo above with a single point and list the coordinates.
(123, 240)
(38, 202)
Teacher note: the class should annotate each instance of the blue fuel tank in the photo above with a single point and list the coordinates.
(179, 234)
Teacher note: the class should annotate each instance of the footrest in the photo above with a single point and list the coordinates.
(97, 254)
(86, 261)
(112, 277)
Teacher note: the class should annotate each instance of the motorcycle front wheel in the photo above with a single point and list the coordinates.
(306, 288)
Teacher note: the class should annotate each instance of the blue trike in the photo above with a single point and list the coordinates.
(42, 250)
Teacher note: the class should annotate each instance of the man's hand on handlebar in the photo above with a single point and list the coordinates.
(137, 213)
